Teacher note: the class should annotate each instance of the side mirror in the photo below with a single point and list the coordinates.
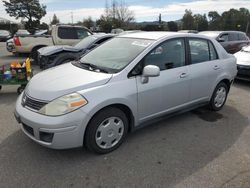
(221, 40)
(150, 71)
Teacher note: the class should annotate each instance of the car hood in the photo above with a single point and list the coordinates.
(49, 50)
(62, 80)
(243, 58)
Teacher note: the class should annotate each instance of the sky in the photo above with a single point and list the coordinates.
(144, 10)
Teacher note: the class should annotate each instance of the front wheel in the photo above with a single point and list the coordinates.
(106, 131)
(219, 97)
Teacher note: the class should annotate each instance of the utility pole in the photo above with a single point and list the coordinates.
(247, 27)
(72, 18)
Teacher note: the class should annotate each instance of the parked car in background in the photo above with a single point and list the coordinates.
(243, 63)
(10, 43)
(60, 35)
(4, 35)
(56, 55)
(232, 41)
(121, 85)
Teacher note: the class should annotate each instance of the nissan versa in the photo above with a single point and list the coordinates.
(122, 84)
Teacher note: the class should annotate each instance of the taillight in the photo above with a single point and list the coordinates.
(17, 41)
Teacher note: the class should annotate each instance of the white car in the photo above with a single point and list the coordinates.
(243, 63)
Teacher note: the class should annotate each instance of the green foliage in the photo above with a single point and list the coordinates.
(30, 10)
(172, 26)
(200, 21)
(117, 15)
(188, 21)
(55, 20)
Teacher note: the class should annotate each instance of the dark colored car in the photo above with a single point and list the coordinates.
(56, 55)
(232, 41)
(4, 35)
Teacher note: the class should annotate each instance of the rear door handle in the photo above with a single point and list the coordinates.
(183, 75)
(216, 67)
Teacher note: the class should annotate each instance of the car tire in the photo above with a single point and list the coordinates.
(219, 97)
(106, 131)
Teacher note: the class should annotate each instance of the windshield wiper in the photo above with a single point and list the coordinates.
(94, 67)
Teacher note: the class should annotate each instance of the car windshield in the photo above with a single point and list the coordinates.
(116, 53)
(84, 43)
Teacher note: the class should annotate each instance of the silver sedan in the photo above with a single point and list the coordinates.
(121, 85)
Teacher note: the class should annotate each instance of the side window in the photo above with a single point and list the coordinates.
(170, 54)
(199, 50)
(233, 37)
(225, 37)
(242, 36)
(213, 53)
(67, 33)
(81, 33)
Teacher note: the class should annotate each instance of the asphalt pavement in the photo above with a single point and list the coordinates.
(195, 149)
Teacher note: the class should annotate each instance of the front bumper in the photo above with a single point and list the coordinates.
(243, 72)
(61, 132)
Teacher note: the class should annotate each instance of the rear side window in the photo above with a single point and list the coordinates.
(201, 50)
(233, 37)
(67, 33)
(213, 53)
(242, 36)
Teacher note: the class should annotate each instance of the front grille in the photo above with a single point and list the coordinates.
(32, 103)
(28, 129)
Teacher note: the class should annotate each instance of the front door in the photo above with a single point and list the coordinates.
(168, 91)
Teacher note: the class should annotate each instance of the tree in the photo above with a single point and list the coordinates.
(172, 26)
(55, 20)
(117, 15)
(30, 10)
(89, 23)
(188, 20)
(200, 22)
(214, 21)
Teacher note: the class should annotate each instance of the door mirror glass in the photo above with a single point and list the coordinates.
(151, 71)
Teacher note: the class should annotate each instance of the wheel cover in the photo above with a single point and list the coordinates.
(220, 97)
(109, 132)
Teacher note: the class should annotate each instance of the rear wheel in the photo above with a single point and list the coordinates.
(219, 97)
(106, 131)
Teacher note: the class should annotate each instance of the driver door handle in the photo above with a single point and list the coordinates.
(183, 75)
(216, 67)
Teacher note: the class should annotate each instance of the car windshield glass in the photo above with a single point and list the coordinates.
(116, 53)
(84, 43)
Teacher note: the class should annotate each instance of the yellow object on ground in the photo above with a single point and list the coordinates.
(28, 67)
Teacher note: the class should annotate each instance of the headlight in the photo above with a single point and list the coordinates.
(63, 105)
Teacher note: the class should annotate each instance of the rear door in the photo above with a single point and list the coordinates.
(170, 90)
(204, 68)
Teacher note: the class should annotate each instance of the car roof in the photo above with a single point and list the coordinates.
(156, 35)
(213, 33)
